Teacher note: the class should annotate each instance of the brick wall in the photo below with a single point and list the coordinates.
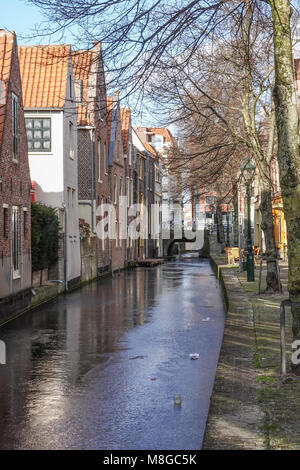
(14, 191)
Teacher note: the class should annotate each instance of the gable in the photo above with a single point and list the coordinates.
(82, 65)
(7, 44)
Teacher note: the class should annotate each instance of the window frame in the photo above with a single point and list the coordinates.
(39, 118)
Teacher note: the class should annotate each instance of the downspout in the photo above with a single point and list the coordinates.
(66, 245)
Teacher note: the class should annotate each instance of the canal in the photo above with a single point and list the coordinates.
(98, 368)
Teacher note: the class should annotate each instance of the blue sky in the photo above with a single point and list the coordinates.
(19, 17)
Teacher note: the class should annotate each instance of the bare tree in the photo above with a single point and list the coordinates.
(222, 98)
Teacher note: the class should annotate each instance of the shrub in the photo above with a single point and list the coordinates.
(44, 236)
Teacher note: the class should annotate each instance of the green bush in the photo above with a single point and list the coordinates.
(44, 236)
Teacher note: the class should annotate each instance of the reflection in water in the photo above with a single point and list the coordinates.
(71, 381)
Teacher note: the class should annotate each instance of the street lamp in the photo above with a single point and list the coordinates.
(248, 171)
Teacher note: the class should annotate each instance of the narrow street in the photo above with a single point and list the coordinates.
(99, 367)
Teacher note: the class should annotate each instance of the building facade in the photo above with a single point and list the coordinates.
(15, 226)
(116, 169)
(93, 179)
(51, 128)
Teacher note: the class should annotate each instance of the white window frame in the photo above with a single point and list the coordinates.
(34, 117)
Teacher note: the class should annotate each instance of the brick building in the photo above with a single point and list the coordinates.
(93, 179)
(15, 227)
(116, 169)
(131, 246)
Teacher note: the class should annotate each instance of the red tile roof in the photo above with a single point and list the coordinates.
(125, 123)
(82, 63)
(150, 149)
(161, 131)
(156, 130)
(44, 75)
(7, 42)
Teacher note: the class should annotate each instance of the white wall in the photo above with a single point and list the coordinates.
(55, 171)
(46, 169)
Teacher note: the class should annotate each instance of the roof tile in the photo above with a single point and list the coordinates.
(125, 123)
(44, 72)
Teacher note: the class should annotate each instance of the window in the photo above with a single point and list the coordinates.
(15, 133)
(70, 86)
(121, 190)
(15, 241)
(115, 189)
(116, 234)
(127, 191)
(68, 196)
(209, 200)
(157, 141)
(105, 159)
(38, 133)
(140, 167)
(99, 159)
(25, 222)
(120, 234)
(5, 222)
(157, 174)
(78, 91)
(130, 153)
(103, 231)
(71, 140)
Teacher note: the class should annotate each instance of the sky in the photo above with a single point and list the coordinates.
(19, 17)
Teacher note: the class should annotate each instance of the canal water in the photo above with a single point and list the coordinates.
(98, 368)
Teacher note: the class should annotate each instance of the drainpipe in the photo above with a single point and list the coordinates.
(92, 177)
(66, 245)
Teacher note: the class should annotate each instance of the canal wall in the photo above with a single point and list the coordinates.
(235, 419)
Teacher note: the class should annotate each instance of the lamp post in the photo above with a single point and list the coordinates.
(248, 171)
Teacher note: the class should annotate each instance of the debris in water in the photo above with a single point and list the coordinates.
(194, 356)
(137, 357)
(177, 400)
(153, 378)
(205, 319)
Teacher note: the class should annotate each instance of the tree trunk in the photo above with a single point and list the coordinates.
(267, 226)
(288, 146)
(221, 228)
(236, 216)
